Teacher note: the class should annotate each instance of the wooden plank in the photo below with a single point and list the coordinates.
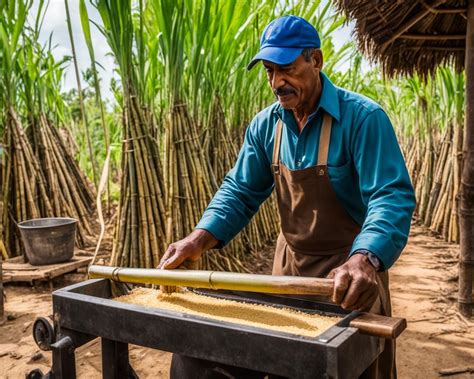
(28, 267)
(20, 267)
(58, 271)
(7, 278)
(16, 260)
(7, 266)
(49, 271)
(28, 273)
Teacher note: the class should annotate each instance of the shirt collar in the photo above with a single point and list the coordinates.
(329, 101)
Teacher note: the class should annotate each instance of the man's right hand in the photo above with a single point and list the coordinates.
(189, 248)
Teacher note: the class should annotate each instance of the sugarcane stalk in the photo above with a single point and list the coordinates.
(79, 90)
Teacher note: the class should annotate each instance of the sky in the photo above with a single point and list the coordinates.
(55, 24)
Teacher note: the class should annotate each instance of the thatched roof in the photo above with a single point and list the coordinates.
(407, 36)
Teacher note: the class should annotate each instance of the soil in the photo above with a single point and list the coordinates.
(423, 286)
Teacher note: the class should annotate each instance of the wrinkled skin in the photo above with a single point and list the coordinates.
(189, 248)
(297, 87)
(355, 284)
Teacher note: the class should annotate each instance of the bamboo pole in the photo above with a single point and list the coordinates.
(457, 154)
(466, 211)
(2, 311)
(296, 285)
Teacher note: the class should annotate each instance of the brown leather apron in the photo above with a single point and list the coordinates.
(317, 232)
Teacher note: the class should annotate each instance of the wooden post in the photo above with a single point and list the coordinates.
(2, 315)
(466, 210)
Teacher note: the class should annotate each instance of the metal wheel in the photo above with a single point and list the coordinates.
(43, 333)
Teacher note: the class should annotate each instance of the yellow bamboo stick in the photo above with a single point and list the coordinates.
(297, 285)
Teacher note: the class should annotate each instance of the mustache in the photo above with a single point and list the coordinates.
(282, 91)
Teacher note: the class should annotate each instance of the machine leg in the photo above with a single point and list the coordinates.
(64, 360)
(115, 363)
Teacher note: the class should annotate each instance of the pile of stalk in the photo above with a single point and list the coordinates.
(190, 186)
(140, 231)
(434, 166)
(428, 117)
(40, 177)
(222, 149)
(433, 151)
(47, 183)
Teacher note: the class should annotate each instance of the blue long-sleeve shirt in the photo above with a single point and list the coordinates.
(365, 165)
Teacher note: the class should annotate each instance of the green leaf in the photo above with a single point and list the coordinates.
(86, 27)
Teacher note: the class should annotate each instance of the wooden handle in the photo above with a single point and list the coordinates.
(379, 326)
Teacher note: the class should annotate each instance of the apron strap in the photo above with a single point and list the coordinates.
(276, 148)
(324, 139)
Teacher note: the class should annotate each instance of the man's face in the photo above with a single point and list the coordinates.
(294, 84)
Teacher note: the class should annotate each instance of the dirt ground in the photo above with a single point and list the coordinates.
(423, 285)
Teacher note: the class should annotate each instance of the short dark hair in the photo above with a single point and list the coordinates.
(307, 53)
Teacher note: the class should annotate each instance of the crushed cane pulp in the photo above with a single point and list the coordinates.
(262, 316)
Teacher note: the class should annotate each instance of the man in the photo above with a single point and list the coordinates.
(344, 194)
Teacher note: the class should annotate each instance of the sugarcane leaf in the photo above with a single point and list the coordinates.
(84, 16)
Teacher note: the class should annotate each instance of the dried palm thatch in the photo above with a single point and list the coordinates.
(408, 36)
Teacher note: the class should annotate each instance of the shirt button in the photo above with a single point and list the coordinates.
(298, 163)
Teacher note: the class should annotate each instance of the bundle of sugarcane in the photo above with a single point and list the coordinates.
(41, 177)
(222, 151)
(139, 238)
(70, 191)
(434, 166)
(265, 226)
(441, 215)
(190, 184)
(223, 148)
(140, 233)
(47, 184)
(433, 150)
(425, 179)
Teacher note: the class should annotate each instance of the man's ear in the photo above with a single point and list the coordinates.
(318, 59)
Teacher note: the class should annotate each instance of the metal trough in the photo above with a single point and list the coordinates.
(86, 311)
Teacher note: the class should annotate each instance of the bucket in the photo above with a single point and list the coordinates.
(48, 240)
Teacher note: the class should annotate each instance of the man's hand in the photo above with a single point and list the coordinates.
(189, 248)
(355, 284)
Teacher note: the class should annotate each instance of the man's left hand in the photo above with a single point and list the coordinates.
(355, 284)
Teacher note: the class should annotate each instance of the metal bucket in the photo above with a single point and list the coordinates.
(48, 240)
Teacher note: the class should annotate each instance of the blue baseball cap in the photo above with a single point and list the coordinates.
(284, 39)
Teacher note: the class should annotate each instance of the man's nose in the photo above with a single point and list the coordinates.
(277, 80)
